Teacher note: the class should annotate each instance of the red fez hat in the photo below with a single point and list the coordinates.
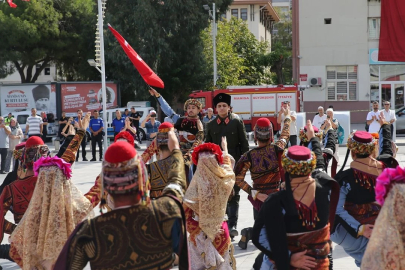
(34, 141)
(119, 152)
(299, 153)
(263, 122)
(126, 136)
(362, 137)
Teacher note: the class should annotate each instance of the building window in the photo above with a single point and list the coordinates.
(341, 83)
(243, 14)
(235, 13)
(252, 12)
(374, 28)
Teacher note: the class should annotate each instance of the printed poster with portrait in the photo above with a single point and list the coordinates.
(15, 98)
(87, 96)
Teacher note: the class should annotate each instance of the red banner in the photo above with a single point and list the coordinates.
(392, 31)
(86, 96)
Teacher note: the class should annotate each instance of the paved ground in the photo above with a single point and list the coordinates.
(84, 175)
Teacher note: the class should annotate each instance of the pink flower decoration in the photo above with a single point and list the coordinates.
(385, 181)
(53, 161)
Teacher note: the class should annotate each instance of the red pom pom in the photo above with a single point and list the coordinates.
(119, 152)
(208, 147)
(299, 153)
(263, 122)
(34, 141)
(165, 126)
(125, 135)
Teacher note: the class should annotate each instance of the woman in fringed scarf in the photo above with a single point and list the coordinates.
(55, 208)
(205, 205)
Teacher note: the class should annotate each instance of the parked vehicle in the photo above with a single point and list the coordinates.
(143, 111)
(22, 117)
(254, 102)
(400, 123)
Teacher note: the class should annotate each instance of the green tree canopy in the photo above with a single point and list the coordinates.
(238, 53)
(166, 34)
(40, 32)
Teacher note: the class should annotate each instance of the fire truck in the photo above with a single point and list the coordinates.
(254, 102)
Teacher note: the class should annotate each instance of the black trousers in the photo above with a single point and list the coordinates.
(3, 153)
(293, 140)
(232, 209)
(97, 140)
(83, 144)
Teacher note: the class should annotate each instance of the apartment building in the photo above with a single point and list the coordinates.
(336, 55)
(259, 15)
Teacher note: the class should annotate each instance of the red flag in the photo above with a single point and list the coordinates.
(11, 4)
(146, 72)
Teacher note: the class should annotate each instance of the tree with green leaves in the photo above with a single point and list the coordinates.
(166, 34)
(238, 53)
(279, 59)
(40, 32)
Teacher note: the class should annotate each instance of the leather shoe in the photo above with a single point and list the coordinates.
(2, 172)
(233, 232)
(93, 159)
(85, 159)
(246, 236)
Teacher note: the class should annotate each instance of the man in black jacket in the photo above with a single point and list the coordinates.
(231, 126)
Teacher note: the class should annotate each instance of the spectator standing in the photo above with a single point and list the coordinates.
(96, 128)
(84, 141)
(389, 116)
(4, 143)
(293, 125)
(62, 123)
(151, 125)
(126, 114)
(330, 121)
(373, 119)
(7, 119)
(210, 116)
(135, 117)
(45, 126)
(15, 137)
(319, 118)
(118, 123)
(34, 124)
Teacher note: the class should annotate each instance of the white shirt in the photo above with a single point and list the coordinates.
(293, 125)
(318, 120)
(390, 115)
(374, 127)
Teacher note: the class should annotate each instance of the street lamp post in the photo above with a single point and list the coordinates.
(214, 37)
(101, 63)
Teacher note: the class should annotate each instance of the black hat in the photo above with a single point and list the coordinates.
(222, 97)
(41, 91)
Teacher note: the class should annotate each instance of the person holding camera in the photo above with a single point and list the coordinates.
(96, 128)
(285, 108)
(151, 125)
